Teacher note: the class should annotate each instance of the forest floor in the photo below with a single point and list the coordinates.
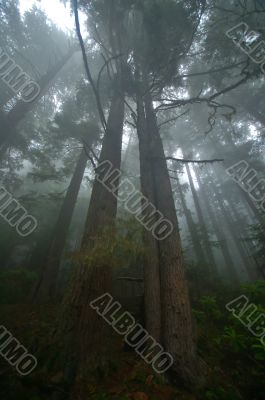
(129, 378)
(235, 358)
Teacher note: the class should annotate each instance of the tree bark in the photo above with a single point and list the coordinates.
(152, 296)
(82, 330)
(46, 286)
(177, 326)
(205, 236)
(198, 250)
(228, 162)
(229, 222)
(252, 272)
(229, 264)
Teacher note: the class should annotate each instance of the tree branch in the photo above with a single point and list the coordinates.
(89, 76)
(211, 71)
(186, 161)
(173, 119)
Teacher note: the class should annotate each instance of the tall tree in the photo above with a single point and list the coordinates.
(177, 327)
(21, 108)
(193, 229)
(205, 235)
(229, 264)
(84, 347)
(46, 286)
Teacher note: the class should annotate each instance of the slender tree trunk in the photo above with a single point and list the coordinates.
(250, 206)
(230, 223)
(198, 250)
(250, 261)
(177, 326)
(201, 220)
(236, 216)
(82, 330)
(128, 149)
(230, 267)
(21, 109)
(46, 286)
(151, 263)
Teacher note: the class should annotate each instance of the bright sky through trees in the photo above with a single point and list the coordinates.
(55, 9)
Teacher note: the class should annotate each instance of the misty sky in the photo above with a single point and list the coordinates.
(55, 10)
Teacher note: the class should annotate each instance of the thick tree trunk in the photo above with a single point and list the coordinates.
(21, 109)
(229, 264)
(46, 286)
(151, 263)
(82, 330)
(205, 236)
(177, 326)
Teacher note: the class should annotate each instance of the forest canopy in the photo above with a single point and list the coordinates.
(132, 199)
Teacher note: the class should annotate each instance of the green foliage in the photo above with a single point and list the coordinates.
(228, 345)
(220, 393)
(210, 307)
(259, 351)
(255, 291)
(117, 247)
(235, 341)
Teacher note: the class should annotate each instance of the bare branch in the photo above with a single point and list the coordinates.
(89, 76)
(106, 63)
(173, 119)
(211, 71)
(86, 146)
(186, 161)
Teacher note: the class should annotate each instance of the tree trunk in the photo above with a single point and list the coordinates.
(198, 250)
(177, 326)
(152, 298)
(229, 264)
(46, 286)
(82, 330)
(22, 108)
(252, 272)
(250, 207)
(229, 222)
(201, 220)
(248, 262)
